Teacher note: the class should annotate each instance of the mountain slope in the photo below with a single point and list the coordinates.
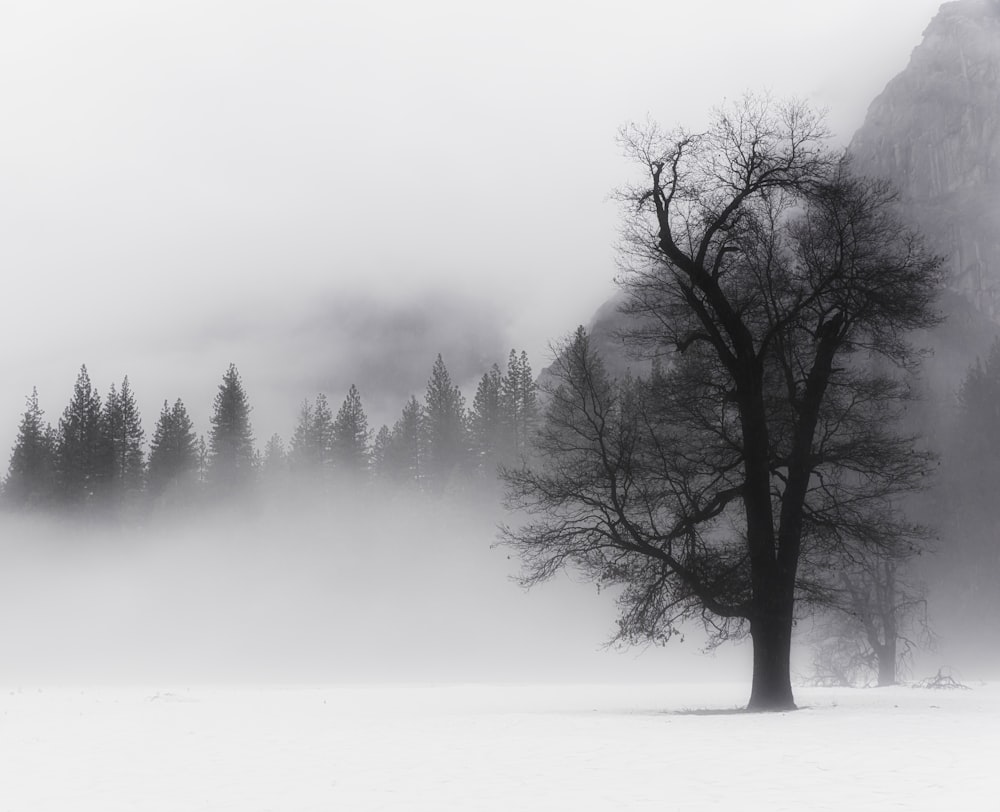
(935, 133)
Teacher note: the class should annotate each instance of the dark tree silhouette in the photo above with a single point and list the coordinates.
(304, 456)
(321, 436)
(350, 437)
(173, 454)
(381, 456)
(311, 453)
(970, 572)
(401, 457)
(275, 462)
(230, 442)
(29, 481)
(769, 281)
(80, 455)
(486, 422)
(123, 440)
(519, 405)
(444, 428)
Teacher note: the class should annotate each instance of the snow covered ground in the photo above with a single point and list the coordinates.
(495, 747)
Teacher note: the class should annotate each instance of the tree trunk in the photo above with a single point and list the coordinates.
(886, 655)
(772, 647)
(887, 652)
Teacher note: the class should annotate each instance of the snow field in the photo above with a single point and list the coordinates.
(494, 747)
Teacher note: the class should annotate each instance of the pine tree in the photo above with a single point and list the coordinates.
(230, 443)
(29, 482)
(979, 399)
(274, 465)
(381, 456)
(350, 437)
(204, 460)
(527, 405)
(80, 458)
(173, 453)
(486, 421)
(519, 405)
(970, 471)
(312, 442)
(444, 427)
(322, 433)
(300, 455)
(407, 450)
(123, 440)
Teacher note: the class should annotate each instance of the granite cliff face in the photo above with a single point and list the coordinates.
(935, 133)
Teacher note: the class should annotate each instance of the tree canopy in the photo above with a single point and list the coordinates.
(775, 290)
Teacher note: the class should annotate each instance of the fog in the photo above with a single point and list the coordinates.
(328, 194)
(297, 593)
(385, 345)
(360, 587)
(192, 184)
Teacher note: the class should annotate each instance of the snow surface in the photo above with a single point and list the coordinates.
(495, 747)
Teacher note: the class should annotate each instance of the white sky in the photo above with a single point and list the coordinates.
(185, 184)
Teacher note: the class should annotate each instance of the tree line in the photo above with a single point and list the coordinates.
(96, 457)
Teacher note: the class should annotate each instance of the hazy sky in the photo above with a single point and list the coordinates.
(292, 186)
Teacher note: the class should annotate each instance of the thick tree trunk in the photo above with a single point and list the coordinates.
(772, 679)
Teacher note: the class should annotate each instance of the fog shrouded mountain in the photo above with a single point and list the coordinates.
(935, 133)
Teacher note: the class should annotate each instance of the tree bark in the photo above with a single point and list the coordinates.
(772, 645)
(887, 653)
(887, 666)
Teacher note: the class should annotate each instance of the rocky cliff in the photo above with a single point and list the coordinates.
(935, 133)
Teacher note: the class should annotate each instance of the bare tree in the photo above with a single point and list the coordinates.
(768, 281)
(877, 621)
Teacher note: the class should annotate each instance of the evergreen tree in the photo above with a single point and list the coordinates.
(979, 399)
(80, 454)
(204, 460)
(230, 443)
(527, 411)
(381, 455)
(972, 464)
(350, 436)
(302, 456)
(520, 406)
(312, 442)
(407, 450)
(970, 514)
(123, 441)
(174, 452)
(444, 427)
(29, 481)
(322, 433)
(274, 465)
(486, 421)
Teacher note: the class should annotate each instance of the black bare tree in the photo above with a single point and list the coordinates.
(776, 291)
